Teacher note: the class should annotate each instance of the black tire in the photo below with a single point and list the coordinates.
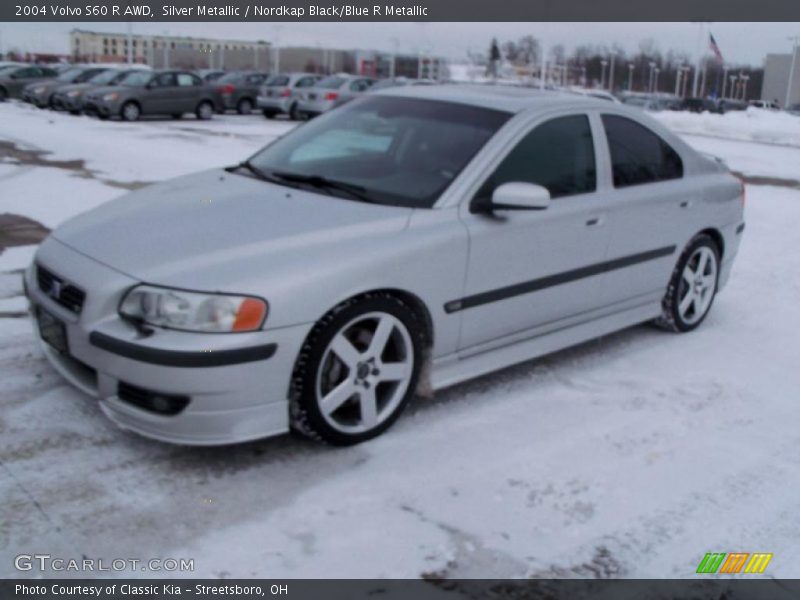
(306, 416)
(3, 94)
(293, 112)
(672, 318)
(75, 112)
(204, 110)
(130, 111)
(177, 115)
(269, 113)
(245, 106)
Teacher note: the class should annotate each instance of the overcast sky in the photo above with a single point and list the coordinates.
(740, 42)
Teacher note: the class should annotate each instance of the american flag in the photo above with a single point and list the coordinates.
(712, 43)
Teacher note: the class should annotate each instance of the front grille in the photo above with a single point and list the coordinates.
(66, 294)
(164, 404)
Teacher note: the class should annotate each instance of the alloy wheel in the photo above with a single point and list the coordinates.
(364, 373)
(697, 285)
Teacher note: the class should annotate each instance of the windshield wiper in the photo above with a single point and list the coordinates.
(246, 164)
(318, 181)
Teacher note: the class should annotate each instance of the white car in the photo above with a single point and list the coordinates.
(417, 236)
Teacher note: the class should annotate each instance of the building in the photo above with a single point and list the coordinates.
(777, 78)
(183, 52)
(161, 51)
(413, 66)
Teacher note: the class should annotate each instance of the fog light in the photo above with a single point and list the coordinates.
(156, 402)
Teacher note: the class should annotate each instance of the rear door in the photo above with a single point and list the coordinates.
(188, 92)
(529, 270)
(650, 210)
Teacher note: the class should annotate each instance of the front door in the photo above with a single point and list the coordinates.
(530, 269)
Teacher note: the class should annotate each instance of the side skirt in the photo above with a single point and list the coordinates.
(453, 369)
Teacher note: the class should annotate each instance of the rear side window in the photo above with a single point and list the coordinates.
(276, 80)
(558, 155)
(638, 155)
(306, 82)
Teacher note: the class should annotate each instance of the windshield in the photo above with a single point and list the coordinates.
(104, 77)
(230, 78)
(70, 74)
(278, 80)
(330, 83)
(136, 79)
(401, 151)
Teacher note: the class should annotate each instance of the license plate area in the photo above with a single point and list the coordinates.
(52, 330)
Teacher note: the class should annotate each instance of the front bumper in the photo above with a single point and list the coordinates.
(68, 103)
(237, 384)
(312, 108)
(101, 107)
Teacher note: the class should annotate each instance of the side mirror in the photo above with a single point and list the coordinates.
(515, 195)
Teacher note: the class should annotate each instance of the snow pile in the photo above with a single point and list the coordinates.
(752, 125)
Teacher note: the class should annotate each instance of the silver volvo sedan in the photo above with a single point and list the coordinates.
(411, 239)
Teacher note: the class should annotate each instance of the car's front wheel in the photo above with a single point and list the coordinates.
(357, 370)
(131, 111)
(692, 286)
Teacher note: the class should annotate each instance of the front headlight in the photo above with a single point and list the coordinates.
(73, 94)
(39, 90)
(111, 96)
(193, 311)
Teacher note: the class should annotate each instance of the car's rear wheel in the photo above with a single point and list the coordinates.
(245, 106)
(692, 286)
(204, 111)
(269, 113)
(130, 111)
(293, 112)
(357, 370)
(177, 115)
(3, 94)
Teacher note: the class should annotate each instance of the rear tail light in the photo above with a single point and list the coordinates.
(226, 89)
(286, 93)
(331, 96)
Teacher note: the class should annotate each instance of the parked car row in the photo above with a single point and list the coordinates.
(131, 92)
(658, 102)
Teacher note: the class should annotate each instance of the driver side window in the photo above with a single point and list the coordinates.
(558, 155)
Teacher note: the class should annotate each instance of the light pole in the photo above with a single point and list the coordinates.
(733, 79)
(791, 71)
(630, 77)
(650, 77)
(678, 81)
(655, 79)
(393, 64)
(611, 73)
(276, 55)
(583, 75)
(603, 65)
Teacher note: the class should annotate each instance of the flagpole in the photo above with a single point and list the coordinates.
(697, 59)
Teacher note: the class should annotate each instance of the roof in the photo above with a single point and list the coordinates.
(498, 97)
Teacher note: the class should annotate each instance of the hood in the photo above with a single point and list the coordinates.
(108, 89)
(72, 87)
(213, 222)
(47, 84)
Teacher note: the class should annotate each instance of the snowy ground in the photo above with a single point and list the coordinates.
(631, 456)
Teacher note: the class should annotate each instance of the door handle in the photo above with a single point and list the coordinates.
(685, 203)
(594, 221)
